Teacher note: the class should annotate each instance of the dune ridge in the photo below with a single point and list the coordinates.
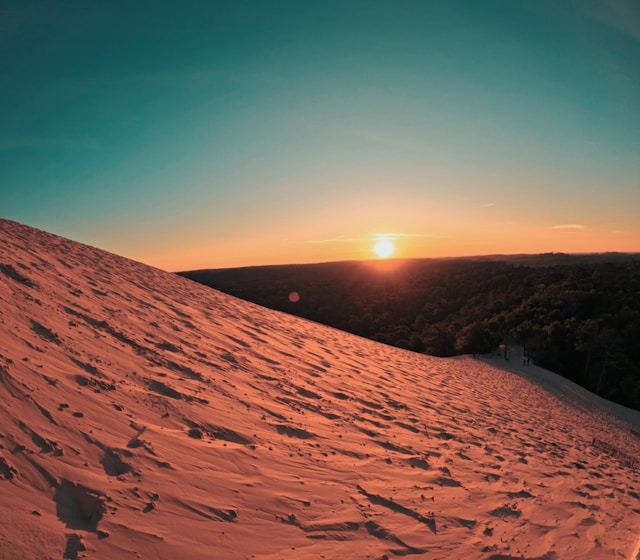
(146, 416)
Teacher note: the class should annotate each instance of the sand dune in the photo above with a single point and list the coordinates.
(146, 416)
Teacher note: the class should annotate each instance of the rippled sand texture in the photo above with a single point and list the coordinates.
(146, 416)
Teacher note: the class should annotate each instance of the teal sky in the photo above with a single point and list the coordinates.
(191, 134)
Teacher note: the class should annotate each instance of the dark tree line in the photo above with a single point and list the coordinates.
(578, 317)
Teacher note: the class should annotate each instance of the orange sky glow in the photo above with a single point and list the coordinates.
(509, 239)
(213, 136)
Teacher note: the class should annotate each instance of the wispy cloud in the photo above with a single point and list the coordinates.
(372, 135)
(621, 15)
(618, 15)
(335, 240)
(568, 226)
(487, 205)
(397, 235)
(364, 239)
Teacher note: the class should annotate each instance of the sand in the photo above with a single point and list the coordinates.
(145, 416)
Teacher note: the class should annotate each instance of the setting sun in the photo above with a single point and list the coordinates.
(384, 248)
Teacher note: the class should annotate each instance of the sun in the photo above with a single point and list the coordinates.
(384, 248)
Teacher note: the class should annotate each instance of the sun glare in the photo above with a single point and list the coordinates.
(384, 248)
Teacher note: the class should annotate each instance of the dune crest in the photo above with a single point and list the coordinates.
(145, 416)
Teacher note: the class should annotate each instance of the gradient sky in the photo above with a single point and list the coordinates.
(204, 134)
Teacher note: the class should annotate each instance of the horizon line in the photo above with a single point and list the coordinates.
(382, 261)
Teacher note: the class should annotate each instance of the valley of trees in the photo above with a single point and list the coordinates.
(576, 316)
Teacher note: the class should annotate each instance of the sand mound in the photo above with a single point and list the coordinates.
(145, 416)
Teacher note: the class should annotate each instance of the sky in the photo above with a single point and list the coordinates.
(207, 134)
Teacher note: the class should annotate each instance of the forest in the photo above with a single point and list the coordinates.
(578, 316)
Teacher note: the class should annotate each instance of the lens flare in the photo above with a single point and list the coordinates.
(294, 297)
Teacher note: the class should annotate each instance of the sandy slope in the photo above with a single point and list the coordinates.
(146, 416)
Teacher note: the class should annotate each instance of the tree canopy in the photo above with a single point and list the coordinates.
(578, 317)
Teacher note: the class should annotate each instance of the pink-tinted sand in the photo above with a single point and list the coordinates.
(145, 416)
